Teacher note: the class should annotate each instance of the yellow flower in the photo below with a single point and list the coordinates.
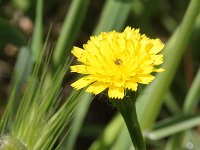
(117, 61)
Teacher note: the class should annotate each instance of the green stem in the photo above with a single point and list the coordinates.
(128, 111)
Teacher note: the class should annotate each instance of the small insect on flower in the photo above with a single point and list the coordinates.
(117, 61)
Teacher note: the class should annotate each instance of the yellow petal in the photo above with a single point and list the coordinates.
(145, 79)
(80, 54)
(96, 88)
(79, 69)
(158, 46)
(131, 86)
(81, 83)
(146, 69)
(158, 59)
(76, 51)
(116, 92)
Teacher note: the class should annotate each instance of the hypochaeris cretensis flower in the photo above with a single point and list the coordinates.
(117, 61)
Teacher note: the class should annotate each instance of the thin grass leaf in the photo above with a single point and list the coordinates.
(193, 95)
(5, 125)
(70, 29)
(184, 140)
(191, 140)
(175, 142)
(173, 125)
(39, 121)
(34, 104)
(36, 44)
(122, 142)
(37, 113)
(113, 16)
(22, 70)
(196, 31)
(189, 106)
(26, 99)
(77, 122)
(23, 67)
(109, 135)
(150, 103)
(58, 122)
(171, 104)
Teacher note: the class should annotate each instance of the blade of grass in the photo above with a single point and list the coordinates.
(77, 122)
(109, 135)
(5, 125)
(189, 106)
(149, 108)
(195, 34)
(21, 72)
(37, 113)
(193, 95)
(173, 125)
(171, 104)
(36, 45)
(175, 142)
(184, 140)
(150, 103)
(191, 140)
(113, 16)
(122, 142)
(70, 29)
(23, 67)
(58, 122)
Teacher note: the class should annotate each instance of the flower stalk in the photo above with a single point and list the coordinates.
(128, 111)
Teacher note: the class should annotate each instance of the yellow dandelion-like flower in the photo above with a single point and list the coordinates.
(117, 61)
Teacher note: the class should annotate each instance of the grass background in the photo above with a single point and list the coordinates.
(165, 108)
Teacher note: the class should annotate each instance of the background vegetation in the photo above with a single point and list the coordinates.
(31, 31)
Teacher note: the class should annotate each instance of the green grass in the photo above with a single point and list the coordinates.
(40, 113)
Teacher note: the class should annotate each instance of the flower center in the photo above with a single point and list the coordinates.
(118, 61)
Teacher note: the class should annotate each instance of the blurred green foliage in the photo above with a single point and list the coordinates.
(162, 107)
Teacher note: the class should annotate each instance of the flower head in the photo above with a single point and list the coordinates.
(117, 61)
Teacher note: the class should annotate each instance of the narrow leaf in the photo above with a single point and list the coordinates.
(173, 126)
